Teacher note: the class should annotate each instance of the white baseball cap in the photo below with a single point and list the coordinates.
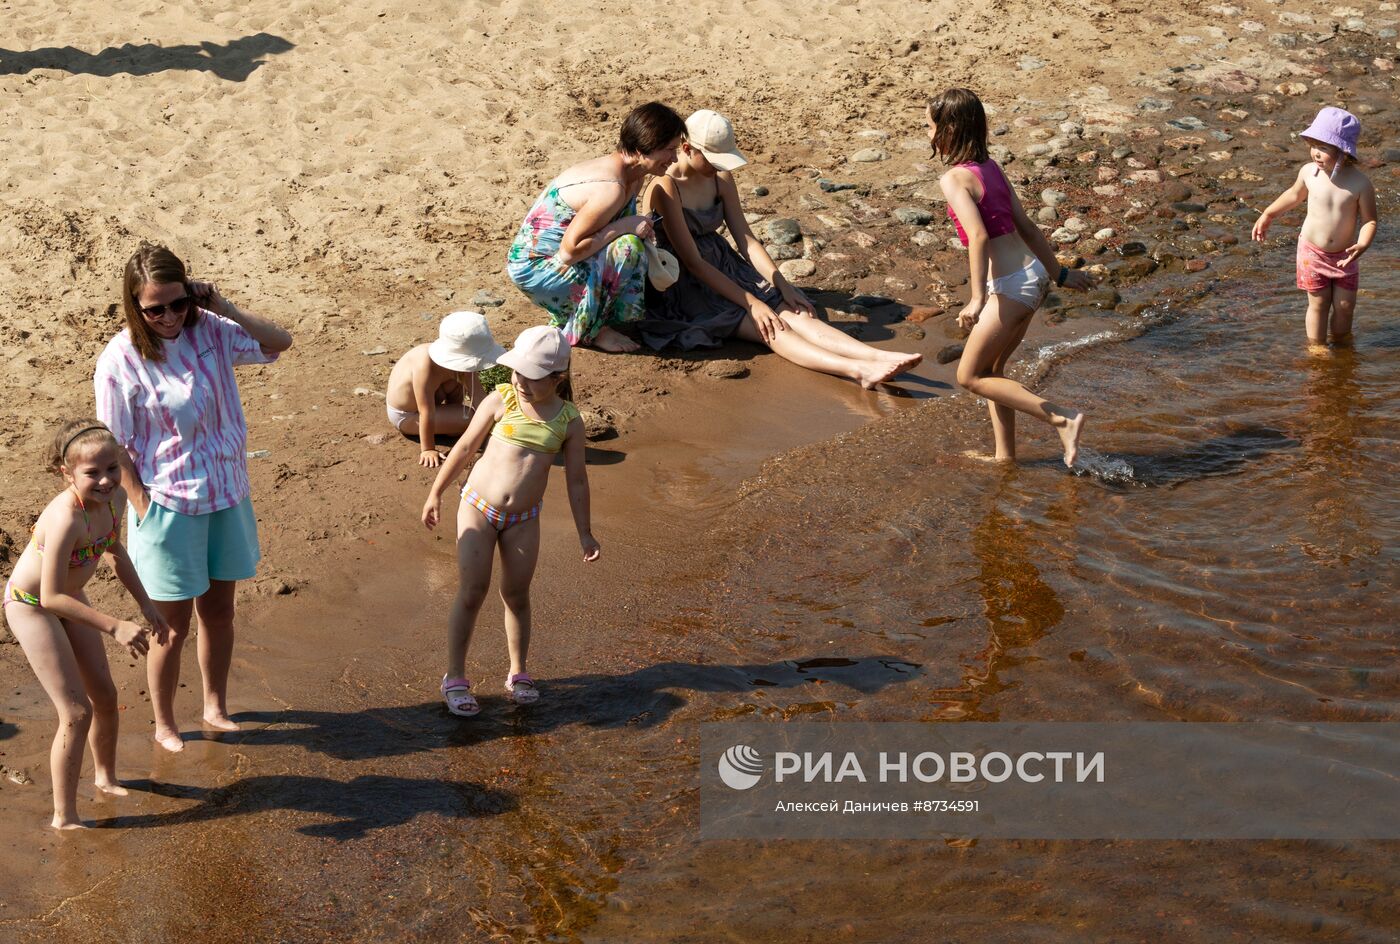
(465, 343)
(713, 134)
(538, 352)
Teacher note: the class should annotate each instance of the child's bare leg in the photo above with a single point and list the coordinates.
(520, 549)
(50, 654)
(215, 611)
(836, 341)
(449, 419)
(1004, 417)
(999, 329)
(163, 671)
(91, 658)
(1319, 309)
(793, 347)
(1343, 309)
(476, 543)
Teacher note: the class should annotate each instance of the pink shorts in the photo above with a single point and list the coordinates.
(1317, 268)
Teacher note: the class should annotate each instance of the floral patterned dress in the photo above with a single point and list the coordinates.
(607, 288)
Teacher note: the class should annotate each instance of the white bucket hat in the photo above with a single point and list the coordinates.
(713, 134)
(464, 343)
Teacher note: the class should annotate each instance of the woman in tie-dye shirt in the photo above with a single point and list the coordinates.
(165, 388)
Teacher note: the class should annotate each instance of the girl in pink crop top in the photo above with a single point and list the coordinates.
(995, 205)
(1010, 261)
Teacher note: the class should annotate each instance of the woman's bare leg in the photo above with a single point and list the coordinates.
(833, 339)
(50, 654)
(995, 336)
(214, 610)
(794, 347)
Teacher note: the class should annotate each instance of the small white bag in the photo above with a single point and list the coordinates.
(663, 269)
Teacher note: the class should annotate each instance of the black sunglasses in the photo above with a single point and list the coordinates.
(176, 307)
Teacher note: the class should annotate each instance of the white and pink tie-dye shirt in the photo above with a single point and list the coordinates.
(181, 418)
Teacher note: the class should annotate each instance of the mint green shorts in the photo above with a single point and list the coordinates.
(177, 555)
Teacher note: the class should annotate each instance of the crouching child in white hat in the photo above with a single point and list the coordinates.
(433, 389)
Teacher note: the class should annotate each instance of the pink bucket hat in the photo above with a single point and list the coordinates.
(538, 352)
(1336, 127)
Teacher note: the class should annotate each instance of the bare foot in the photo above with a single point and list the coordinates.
(60, 823)
(1069, 437)
(110, 787)
(169, 739)
(873, 373)
(983, 457)
(614, 342)
(899, 357)
(220, 721)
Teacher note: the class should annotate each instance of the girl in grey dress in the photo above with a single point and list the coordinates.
(722, 293)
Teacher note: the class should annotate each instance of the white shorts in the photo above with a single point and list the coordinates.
(1029, 286)
(399, 417)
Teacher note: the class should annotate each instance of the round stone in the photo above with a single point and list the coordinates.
(797, 268)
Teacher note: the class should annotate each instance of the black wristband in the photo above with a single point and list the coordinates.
(1064, 274)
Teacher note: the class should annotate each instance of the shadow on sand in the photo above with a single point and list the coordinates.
(233, 61)
(642, 698)
(357, 807)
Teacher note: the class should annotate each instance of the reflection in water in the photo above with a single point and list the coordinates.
(1019, 606)
(1332, 407)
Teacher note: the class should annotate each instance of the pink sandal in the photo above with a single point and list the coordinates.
(457, 693)
(522, 688)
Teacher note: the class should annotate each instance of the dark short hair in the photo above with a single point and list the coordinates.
(960, 124)
(648, 128)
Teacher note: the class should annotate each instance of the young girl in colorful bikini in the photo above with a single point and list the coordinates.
(529, 422)
(1011, 263)
(58, 629)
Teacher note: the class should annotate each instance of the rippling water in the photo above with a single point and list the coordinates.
(1226, 551)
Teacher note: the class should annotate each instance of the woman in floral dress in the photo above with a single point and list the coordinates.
(579, 253)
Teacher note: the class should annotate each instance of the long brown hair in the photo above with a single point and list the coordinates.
(152, 263)
(960, 126)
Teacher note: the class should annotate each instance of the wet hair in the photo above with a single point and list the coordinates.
(648, 128)
(960, 126)
(156, 264)
(77, 434)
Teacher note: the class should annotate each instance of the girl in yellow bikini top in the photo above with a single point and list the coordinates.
(527, 432)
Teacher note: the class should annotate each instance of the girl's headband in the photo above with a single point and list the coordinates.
(86, 429)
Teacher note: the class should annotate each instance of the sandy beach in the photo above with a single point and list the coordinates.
(356, 172)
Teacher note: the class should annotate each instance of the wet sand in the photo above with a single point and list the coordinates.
(352, 807)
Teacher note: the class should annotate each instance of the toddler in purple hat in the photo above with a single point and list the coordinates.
(1339, 227)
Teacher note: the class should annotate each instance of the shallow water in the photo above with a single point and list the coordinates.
(1225, 551)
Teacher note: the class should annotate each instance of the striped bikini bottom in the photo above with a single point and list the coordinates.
(498, 519)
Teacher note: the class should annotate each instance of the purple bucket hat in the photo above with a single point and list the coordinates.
(1335, 127)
